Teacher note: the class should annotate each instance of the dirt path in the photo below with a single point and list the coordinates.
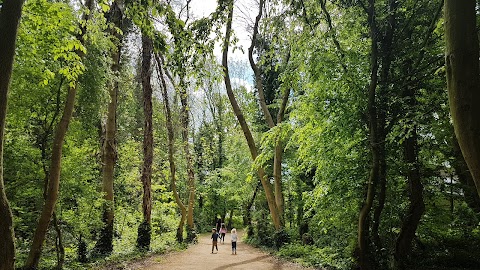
(198, 257)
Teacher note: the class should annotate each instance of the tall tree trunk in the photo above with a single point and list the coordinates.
(246, 130)
(10, 14)
(417, 206)
(220, 133)
(382, 113)
(56, 160)
(277, 159)
(363, 227)
(104, 245)
(382, 182)
(278, 155)
(415, 187)
(186, 148)
(53, 183)
(144, 230)
(463, 79)
(171, 150)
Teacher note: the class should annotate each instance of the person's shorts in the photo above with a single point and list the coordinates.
(214, 242)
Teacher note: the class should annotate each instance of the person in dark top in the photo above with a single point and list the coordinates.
(214, 239)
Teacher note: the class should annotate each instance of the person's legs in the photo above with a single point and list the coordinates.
(234, 247)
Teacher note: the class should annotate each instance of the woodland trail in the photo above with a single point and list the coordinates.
(199, 257)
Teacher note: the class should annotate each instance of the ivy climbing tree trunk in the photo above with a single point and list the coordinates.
(463, 79)
(363, 227)
(415, 189)
(186, 148)
(171, 150)
(267, 187)
(386, 59)
(104, 245)
(144, 230)
(10, 14)
(56, 159)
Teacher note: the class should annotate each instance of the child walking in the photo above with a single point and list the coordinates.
(214, 239)
(234, 241)
(223, 231)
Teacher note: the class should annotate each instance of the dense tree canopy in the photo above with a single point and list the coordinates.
(340, 134)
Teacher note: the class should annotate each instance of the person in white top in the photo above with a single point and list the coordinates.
(233, 235)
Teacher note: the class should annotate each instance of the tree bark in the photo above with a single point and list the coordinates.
(382, 113)
(10, 14)
(463, 79)
(465, 178)
(278, 155)
(59, 243)
(230, 220)
(247, 218)
(417, 206)
(104, 245)
(363, 227)
(143, 240)
(246, 130)
(56, 160)
(53, 183)
(171, 150)
(186, 148)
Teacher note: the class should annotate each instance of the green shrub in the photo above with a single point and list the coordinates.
(325, 257)
(281, 238)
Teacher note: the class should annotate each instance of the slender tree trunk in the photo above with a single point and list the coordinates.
(277, 160)
(171, 151)
(363, 223)
(55, 165)
(10, 14)
(186, 148)
(463, 79)
(144, 230)
(417, 207)
(104, 245)
(246, 130)
(382, 112)
(230, 220)
(220, 134)
(382, 178)
(53, 183)
(277, 176)
(247, 217)
(59, 243)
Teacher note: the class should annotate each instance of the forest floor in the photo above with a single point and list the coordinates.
(199, 257)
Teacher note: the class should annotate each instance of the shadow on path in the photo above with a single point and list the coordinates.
(229, 266)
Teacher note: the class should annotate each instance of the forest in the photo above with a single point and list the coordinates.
(339, 134)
